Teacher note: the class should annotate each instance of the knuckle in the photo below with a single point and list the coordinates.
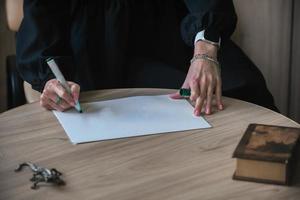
(210, 77)
(198, 105)
(43, 97)
(202, 96)
(195, 80)
(46, 92)
(64, 95)
(199, 99)
(210, 91)
(56, 107)
(193, 97)
(48, 83)
(203, 81)
(52, 82)
(194, 93)
(43, 103)
(209, 98)
(76, 85)
(65, 105)
(193, 83)
(55, 84)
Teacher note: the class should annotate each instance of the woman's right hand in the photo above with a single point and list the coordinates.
(55, 96)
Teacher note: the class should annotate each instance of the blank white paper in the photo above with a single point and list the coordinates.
(129, 117)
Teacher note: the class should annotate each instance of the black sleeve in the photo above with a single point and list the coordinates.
(216, 17)
(44, 32)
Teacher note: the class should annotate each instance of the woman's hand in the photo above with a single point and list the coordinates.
(55, 96)
(204, 80)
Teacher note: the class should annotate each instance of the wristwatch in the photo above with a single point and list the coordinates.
(201, 36)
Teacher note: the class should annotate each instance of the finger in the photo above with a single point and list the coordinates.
(62, 92)
(198, 106)
(210, 92)
(43, 102)
(219, 95)
(175, 95)
(195, 90)
(209, 100)
(200, 100)
(64, 105)
(55, 106)
(50, 95)
(48, 103)
(53, 97)
(75, 89)
(48, 107)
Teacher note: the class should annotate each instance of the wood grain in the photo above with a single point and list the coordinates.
(183, 165)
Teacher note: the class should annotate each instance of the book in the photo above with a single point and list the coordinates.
(267, 154)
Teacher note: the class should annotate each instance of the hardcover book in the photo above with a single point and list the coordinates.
(267, 154)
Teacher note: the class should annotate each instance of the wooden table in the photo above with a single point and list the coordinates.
(184, 165)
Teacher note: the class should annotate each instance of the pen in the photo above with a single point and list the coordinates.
(185, 92)
(59, 76)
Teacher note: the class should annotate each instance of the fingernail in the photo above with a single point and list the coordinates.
(207, 111)
(196, 113)
(221, 107)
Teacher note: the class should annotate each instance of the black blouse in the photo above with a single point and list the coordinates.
(93, 41)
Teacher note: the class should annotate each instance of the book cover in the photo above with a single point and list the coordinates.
(266, 153)
(267, 143)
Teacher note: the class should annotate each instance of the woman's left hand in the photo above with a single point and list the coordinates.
(204, 80)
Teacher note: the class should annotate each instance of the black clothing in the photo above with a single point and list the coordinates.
(95, 40)
(99, 43)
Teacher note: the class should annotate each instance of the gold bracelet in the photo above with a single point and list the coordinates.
(204, 57)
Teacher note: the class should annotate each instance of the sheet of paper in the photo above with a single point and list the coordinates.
(128, 117)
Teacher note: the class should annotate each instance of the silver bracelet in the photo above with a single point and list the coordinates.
(204, 57)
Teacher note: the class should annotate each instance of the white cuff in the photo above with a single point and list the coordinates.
(200, 36)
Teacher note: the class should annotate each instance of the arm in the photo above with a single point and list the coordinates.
(218, 19)
(45, 32)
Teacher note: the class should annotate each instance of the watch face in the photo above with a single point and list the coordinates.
(211, 36)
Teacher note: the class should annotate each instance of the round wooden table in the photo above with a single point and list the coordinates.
(194, 164)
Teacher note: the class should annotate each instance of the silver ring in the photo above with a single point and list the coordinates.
(57, 100)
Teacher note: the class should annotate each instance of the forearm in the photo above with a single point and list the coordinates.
(216, 17)
(44, 33)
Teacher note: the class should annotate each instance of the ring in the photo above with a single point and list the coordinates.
(57, 100)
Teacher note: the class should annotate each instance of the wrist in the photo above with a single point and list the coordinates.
(202, 47)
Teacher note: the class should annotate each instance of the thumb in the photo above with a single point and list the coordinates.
(75, 89)
(175, 95)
